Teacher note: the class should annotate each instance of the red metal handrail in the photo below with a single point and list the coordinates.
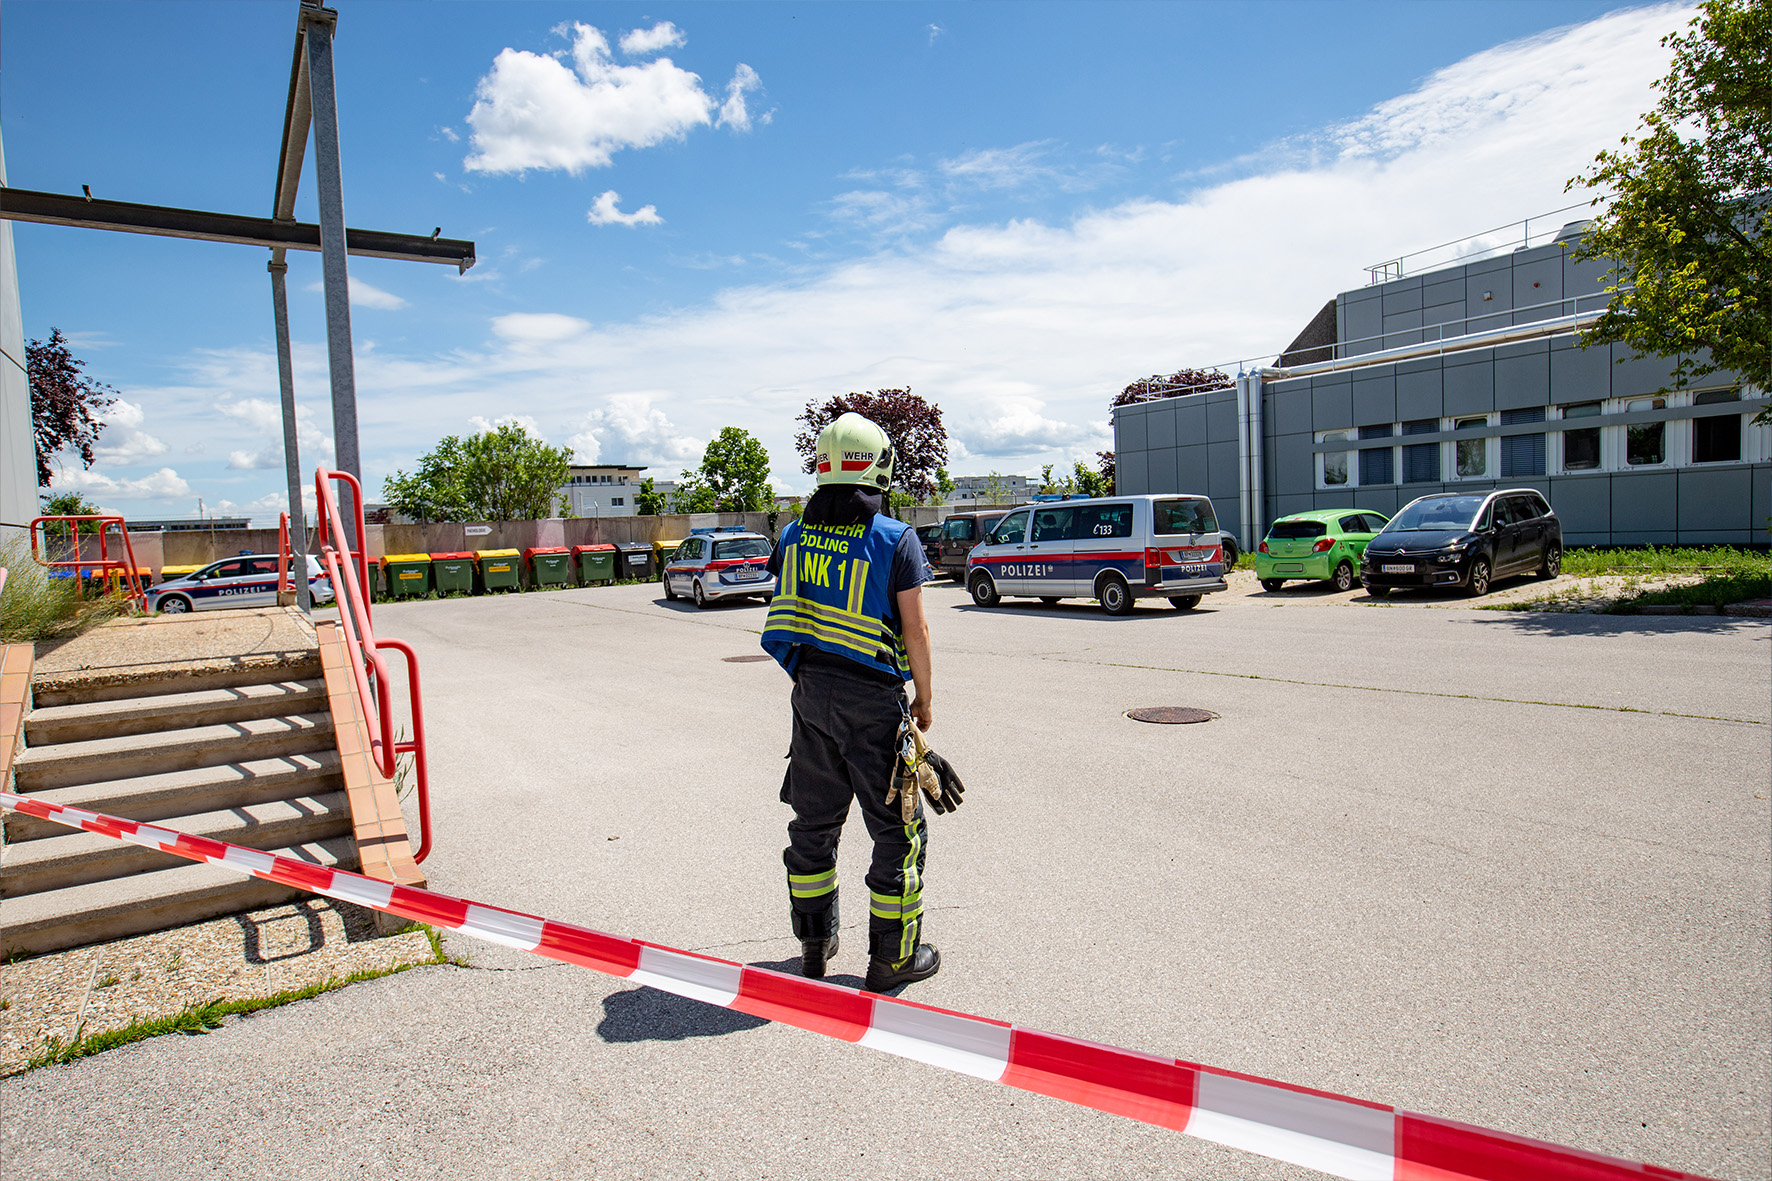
(285, 561)
(369, 671)
(104, 562)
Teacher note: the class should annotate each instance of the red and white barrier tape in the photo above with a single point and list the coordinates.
(1329, 1133)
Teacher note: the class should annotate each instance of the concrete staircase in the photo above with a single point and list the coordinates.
(244, 755)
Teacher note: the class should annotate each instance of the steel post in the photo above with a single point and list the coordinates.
(298, 534)
(329, 185)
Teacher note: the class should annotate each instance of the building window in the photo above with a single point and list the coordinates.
(1471, 456)
(1375, 462)
(1581, 446)
(1522, 455)
(1645, 443)
(1333, 464)
(615, 502)
(1421, 461)
(1716, 440)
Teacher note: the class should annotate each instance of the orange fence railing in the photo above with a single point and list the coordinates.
(348, 572)
(104, 566)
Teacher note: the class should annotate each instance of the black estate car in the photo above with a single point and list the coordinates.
(1466, 540)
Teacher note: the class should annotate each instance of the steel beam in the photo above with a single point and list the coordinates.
(164, 221)
(318, 25)
(298, 531)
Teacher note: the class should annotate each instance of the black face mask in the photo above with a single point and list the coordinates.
(843, 504)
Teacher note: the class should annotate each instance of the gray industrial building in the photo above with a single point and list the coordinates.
(1467, 378)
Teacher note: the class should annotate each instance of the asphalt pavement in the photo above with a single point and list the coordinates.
(1506, 868)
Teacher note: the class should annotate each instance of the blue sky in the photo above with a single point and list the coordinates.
(1013, 208)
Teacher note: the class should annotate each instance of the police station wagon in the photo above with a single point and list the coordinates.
(710, 567)
(1114, 549)
(249, 580)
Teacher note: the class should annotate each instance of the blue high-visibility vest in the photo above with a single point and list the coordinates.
(834, 593)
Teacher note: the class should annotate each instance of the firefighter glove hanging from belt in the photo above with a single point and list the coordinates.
(920, 769)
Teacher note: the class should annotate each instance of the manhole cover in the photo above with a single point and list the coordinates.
(1171, 715)
(746, 659)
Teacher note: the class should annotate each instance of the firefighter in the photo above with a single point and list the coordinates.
(847, 624)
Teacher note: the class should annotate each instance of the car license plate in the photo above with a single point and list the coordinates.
(1405, 568)
(747, 575)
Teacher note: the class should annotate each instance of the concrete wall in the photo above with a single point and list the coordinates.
(196, 547)
(18, 453)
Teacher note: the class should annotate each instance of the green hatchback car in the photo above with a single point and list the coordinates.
(1324, 544)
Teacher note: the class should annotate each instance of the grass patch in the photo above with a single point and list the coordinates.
(1716, 590)
(197, 1019)
(34, 606)
(1654, 561)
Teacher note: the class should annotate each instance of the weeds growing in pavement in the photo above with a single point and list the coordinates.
(197, 1019)
(1717, 590)
(34, 606)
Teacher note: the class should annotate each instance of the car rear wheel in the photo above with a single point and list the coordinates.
(1343, 578)
(1553, 562)
(984, 591)
(670, 594)
(701, 596)
(1272, 584)
(1115, 598)
(174, 605)
(1231, 554)
(1185, 602)
(1479, 580)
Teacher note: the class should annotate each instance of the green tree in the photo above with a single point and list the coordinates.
(692, 494)
(648, 502)
(499, 475)
(68, 504)
(1090, 482)
(1687, 225)
(944, 486)
(735, 471)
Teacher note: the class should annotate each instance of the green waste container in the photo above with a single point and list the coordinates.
(452, 573)
(596, 563)
(408, 576)
(374, 589)
(662, 552)
(499, 569)
(549, 565)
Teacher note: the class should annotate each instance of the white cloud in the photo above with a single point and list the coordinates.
(260, 414)
(449, 134)
(606, 211)
(265, 418)
(663, 35)
(527, 422)
(163, 485)
(1018, 428)
(733, 112)
(634, 431)
(123, 443)
(365, 295)
(538, 327)
(934, 32)
(533, 111)
(999, 168)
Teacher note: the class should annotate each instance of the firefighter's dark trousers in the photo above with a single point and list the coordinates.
(845, 740)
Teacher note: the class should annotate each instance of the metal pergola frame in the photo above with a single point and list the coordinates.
(313, 105)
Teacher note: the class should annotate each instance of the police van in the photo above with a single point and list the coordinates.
(1113, 549)
(249, 580)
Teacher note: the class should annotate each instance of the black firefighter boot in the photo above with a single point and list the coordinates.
(921, 964)
(817, 934)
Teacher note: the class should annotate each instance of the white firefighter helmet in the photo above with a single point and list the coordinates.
(853, 450)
